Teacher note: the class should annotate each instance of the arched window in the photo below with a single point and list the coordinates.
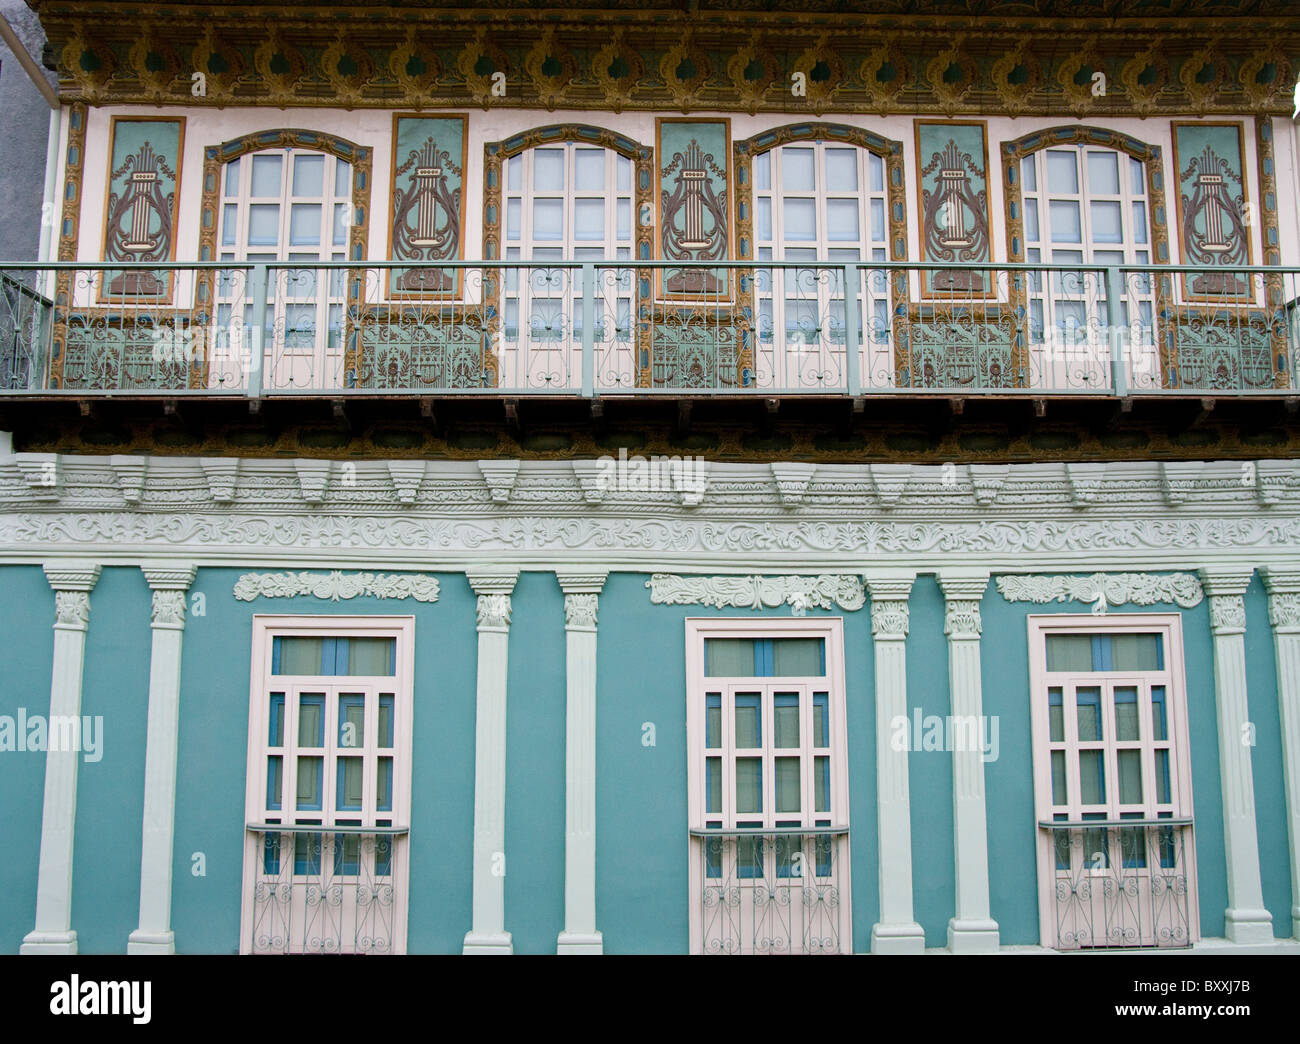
(1088, 205)
(822, 202)
(289, 205)
(565, 202)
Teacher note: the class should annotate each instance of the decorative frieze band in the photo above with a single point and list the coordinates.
(824, 591)
(336, 585)
(1182, 589)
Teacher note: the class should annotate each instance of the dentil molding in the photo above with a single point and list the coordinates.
(824, 591)
(1181, 589)
(336, 585)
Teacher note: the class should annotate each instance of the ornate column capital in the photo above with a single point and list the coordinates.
(580, 612)
(1283, 599)
(1220, 582)
(1227, 607)
(492, 581)
(169, 576)
(581, 581)
(72, 576)
(962, 591)
(889, 610)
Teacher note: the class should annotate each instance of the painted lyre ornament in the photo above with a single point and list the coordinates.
(1214, 228)
(955, 226)
(140, 221)
(426, 216)
(694, 219)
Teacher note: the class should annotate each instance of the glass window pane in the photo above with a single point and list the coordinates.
(1069, 652)
(232, 178)
(749, 726)
(797, 170)
(1031, 220)
(1058, 777)
(309, 176)
(589, 219)
(384, 785)
(274, 782)
(340, 224)
(1064, 215)
(548, 170)
(876, 172)
(1162, 777)
(800, 220)
(311, 719)
(1130, 776)
(371, 656)
(385, 737)
(515, 174)
(764, 212)
(513, 218)
(787, 785)
(229, 224)
(1092, 782)
(877, 220)
(1137, 177)
(729, 657)
(1126, 713)
(1160, 728)
(1029, 174)
(266, 176)
(821, 719)
(264, 224)
(821, 783)
(309, 782)
(304, 225)
(713, 720)
(342, 178)
(763, 172)
(548, 219)
(589, 170)
(624, 168)
(1107, 225)
(1062, 171)
(1103, 173)
(841, 170)
(713, 774)
(786, 723)
(349, 783)
(749, 784)
(624, 212)
(798, 657)
(352, 719)
(1139, 222)
(1055, 716)
(275, 735)
(1136, 652)
(1088, 706)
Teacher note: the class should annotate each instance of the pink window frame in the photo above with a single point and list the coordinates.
(1173, 677)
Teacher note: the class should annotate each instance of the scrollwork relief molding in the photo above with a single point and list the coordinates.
(824, 591)
(336, 585)
(1181, 589)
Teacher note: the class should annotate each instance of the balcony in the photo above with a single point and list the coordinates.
(601, 330)
(1125, 883)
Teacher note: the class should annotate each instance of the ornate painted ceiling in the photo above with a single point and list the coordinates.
(1025, 57)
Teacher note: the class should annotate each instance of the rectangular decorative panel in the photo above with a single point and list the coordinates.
(427, 218)
(141, 205)
(952, 163)
(693, 185)
(1212, 207)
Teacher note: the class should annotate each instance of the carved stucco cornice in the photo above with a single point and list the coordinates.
(847, 520)
(822, 591)
(336, 585)
(1181, 589)
(354, 56)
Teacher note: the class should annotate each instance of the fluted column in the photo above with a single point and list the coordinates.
(972, 929)
(1246, 919)
(897, 930)
(581, 594)
(1284, 614)
(169, 584)
(488, 934)
(72, 583)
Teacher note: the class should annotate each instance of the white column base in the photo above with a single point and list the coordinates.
(483, 942)
(580, 943)
(56, 943)
(973, 936)
(151, 942)
(1250, 927)
(898, 938)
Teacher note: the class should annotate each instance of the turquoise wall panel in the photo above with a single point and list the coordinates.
(535, 752)
(26, 620)
(929, 771)
(642, 822)
(110, 791)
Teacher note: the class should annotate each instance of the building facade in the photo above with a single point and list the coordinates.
(669, 480)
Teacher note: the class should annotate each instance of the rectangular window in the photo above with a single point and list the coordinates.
(329, 782)
(768, 785)
(1110, 750)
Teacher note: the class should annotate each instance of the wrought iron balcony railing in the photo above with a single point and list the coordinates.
(599, 328)
(1122, 883)
(325, 890)
(782, 891)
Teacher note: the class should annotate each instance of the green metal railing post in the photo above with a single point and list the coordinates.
(256, 349)
(852, 376)
(588, 330)
(1115, 326)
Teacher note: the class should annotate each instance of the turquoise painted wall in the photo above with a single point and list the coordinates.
(642, 867)
(110, 792)
(26, 621)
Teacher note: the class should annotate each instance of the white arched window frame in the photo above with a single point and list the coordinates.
(287, 205)
(826, 203)
(569, 201)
